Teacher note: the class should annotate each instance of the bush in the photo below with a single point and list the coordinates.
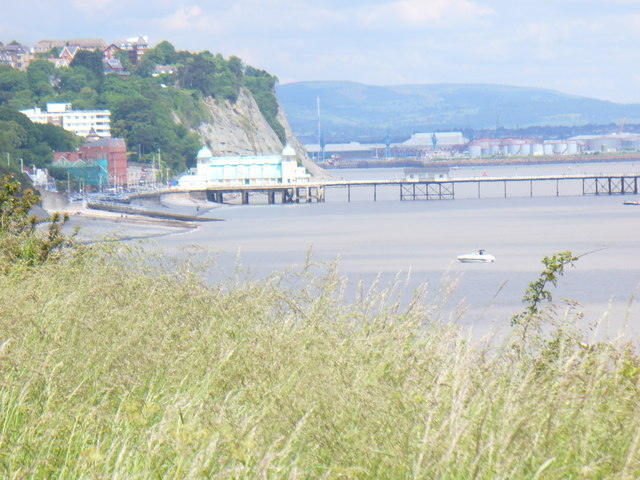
(20, 240)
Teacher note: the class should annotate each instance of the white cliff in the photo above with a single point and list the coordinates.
(239, 128)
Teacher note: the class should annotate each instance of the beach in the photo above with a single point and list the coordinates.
(418, 242)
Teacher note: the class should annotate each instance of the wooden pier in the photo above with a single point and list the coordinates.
(316, 191)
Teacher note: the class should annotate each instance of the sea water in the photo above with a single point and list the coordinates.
(418, 242)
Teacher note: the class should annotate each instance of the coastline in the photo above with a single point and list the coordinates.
(483, 162)
(179, 215)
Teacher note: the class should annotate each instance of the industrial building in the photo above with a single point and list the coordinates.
(435, 140)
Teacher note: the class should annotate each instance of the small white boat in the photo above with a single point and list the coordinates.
(478, 257)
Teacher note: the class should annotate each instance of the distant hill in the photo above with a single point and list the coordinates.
(353, 110)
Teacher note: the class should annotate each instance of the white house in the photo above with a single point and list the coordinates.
(245, 170)
(80, 122)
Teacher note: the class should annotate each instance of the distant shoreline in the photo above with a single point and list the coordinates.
(483, 162)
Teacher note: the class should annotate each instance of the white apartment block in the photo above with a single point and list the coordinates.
(80, 122)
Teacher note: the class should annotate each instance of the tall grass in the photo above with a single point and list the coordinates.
(111, 367)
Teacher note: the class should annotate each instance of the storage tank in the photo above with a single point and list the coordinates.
(548, 148)
(525, 149)
(537, 149)
(475, 151)
(572, 148)
(515, 146)
(495, 149)
(559, 148)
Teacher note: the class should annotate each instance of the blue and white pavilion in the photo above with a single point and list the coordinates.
(245, 170)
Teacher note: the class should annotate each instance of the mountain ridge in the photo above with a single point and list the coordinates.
(351, 109)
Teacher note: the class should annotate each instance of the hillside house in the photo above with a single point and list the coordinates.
(16, 56)
(134, 48)
(83, 43)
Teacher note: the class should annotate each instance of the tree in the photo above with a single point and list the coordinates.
(12, 136)
(162, 54)
(197, 72)
(57, 138)
(20, 241)
(236, 67)
(125, 60)
(262, 85)
(92, 61)
(12, 81)
(39, 76)
(538, 292)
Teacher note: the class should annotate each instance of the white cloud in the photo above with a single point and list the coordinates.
(282, 16)
(96, 8)
(552, 39)
(420, 13)
(186, 18)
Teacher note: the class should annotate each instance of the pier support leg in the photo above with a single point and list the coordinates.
(245, 198)
(272, 197)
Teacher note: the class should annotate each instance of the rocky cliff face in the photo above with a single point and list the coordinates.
(240, 129)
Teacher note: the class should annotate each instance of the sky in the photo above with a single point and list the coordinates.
(581, 47)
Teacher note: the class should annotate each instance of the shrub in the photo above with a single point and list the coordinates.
(20, 239)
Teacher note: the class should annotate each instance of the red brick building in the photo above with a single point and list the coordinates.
(113, 150)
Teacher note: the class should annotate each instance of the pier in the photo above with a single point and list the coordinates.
(413, 190)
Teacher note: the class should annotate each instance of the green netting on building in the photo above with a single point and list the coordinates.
(89, 173)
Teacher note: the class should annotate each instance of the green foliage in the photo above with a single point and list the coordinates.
(144, 108)
(537, 292)
(13, 83)
(125, 61)
(40, 74)
(262, 85)
(162, 54)
(91, 61)
(20, 241)
(211, 75)
(32, 142)
(56, 138)
(73, 80)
